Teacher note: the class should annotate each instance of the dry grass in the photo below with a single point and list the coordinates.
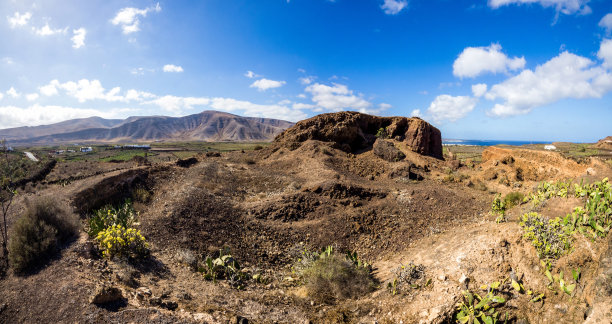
(334, 278)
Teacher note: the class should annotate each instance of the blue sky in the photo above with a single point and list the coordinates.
(486, 69)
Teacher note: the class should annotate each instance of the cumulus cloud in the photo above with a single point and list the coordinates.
(32, 96)
(256, 110)
(479, 90)
(86, 90)
(446, 107)
(606, 22)
(11, 116)
(605, 53)
(265, 84)
(13, 93)
(173, 68)
(1, 96)
(18, 19)
(337, 97)
(416, 113)
(474, 61)
(307, 80)
(78, 38)
(251, 75)
(129, 18)
(393, 7)
(564, 76)
(176, 104)
(48, 31)
(567, 7)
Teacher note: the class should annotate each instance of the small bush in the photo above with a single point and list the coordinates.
(38, 234)
(123, 242)
(224, 267)
(108, 216)
(512, 199)
(549, 236)
(332, 277)
(141, 195)
(257, 147)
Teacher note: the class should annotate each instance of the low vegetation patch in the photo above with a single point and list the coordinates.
(112, 229)
(410, 276)
(224, 267)
(330, 277)
(38, 234)
(552, 237)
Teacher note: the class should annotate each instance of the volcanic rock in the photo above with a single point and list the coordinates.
(352, 131)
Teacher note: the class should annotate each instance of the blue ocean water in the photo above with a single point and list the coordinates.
(487, 142)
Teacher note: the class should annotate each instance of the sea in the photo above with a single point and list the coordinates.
(487, 142)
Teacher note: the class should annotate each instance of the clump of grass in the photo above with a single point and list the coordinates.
(513, 199)
(38, 234)
(330, 277)
(103, 218)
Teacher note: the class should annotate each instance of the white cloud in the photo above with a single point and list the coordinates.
(450, 108)
(1, 96)
(78, 40)
(416, 113)
(32, 96)
(256, 110)
(474, 61)
(8, 60)
(606, 22)
(134, 95)
(11, 116)
(173, 68)
(87, 90)
(129, 18)
(302, 96)
(564, 76)
(565, 6)
(479, 90)
(265, 84)
(13, 93)
(307, 80)
(250, 74)
(48, 31)
(18, 19)
(337, 97)
(176, 104)
(50, 89)
(605, 53)
(393, 7)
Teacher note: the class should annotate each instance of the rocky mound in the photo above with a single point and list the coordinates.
(353, 131)
(605, 143)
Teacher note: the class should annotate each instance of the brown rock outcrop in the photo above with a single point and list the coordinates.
(353, 131)
(605, 143)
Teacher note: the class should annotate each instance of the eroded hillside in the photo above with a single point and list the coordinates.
(356, 183)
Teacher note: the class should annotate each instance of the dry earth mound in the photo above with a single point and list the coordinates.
(353, 131)
(605, 143)
(510, 165)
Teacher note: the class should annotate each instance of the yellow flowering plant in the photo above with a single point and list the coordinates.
(117, 240)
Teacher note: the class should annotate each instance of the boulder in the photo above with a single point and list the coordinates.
(352, 131)
(387, 151)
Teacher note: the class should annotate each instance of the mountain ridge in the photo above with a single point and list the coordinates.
(205, 126)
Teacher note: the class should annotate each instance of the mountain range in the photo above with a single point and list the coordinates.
(211, 126)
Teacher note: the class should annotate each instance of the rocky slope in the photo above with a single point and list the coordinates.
(205, 126)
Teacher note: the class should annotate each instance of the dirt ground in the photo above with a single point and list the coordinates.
(270, 204)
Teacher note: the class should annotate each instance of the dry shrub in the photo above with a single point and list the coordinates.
(39, 233)
(333, 278)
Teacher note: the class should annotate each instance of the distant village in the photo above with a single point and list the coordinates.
(86, 149)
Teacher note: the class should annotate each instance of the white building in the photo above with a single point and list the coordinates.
(550, 147)
(86, 149)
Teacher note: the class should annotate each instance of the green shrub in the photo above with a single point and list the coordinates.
(117, 240)
(108, 216)
(550, 237)
(224, 267)
(512, 199)
(330, 277)
(38, 234)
